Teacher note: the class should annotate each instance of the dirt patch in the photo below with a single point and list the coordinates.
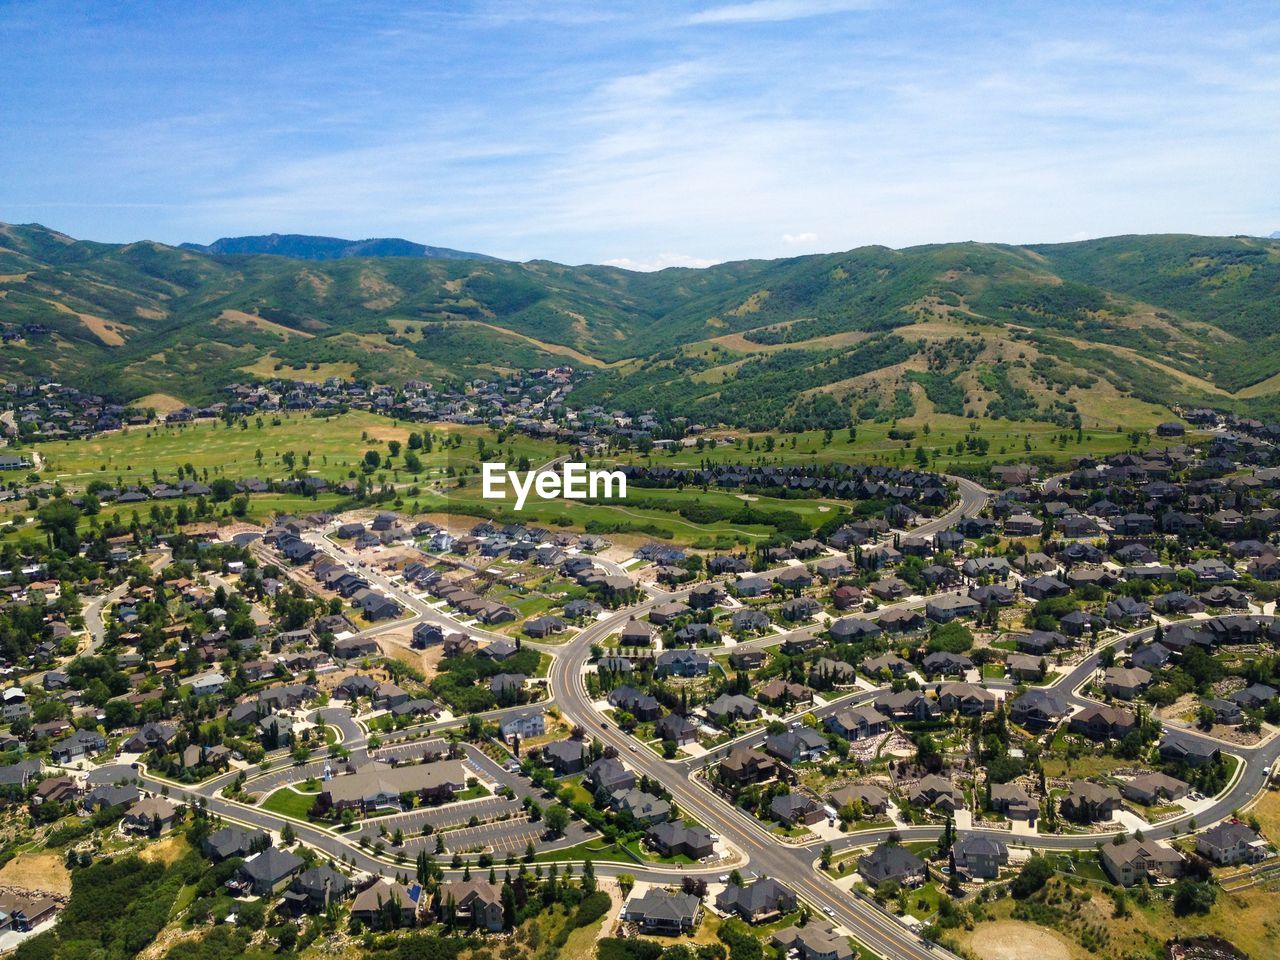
(37, 871)
(1014, 940)
(167, 939)
(104, 330)
(396, 644)
(240, 318)
(162, 403)
(380, 432)
(109, 332)
(1181, 709)
(164, 851)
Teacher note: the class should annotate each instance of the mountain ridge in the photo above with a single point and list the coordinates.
(302, 246)
(1045, 331)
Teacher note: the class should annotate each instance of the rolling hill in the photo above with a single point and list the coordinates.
(1093, 331)
(304, 247)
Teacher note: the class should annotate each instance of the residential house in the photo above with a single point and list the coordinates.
(1152, 789)
(794, 809)
(472, 903)
(758, 902)
(662, 912)
(1089, 802)
(892, 862)
(1230, 843)
(1135, 860)
(673, 839)
(979, 856)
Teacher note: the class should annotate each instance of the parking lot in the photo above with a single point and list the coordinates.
(440, 818)
(413, 750)
(500, 838)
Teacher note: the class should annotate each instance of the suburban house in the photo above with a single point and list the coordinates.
(608, 774)
(872, 799)
(1150, 789)
(676, 728)
(1014, 802)
(270, 871)
(233, 842)
(814, 941)
(1089, 802)
(980, 857)
(1103, 723)
(795, 809)
(759, 902)
(662, 912)
(745, 765)
(1125, 682)
(673, 839)
(892, 861)
(640, 806)
(80, 744)
(313, 890)
(1231, 843)
(371, 903)
(857, 723)
(1135, 860)
(1180, 748)
(530, 723)
(473, 903)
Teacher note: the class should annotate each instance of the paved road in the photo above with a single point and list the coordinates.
(792, 866)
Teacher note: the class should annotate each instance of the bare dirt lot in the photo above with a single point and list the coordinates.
(37, 871)
(1015, 940)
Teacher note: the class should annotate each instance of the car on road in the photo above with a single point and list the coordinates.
(603, 725)
(723, 878)
(633, 748)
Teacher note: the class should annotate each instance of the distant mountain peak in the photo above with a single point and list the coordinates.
(1274, 235)
(299, 246)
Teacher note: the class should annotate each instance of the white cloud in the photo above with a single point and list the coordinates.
(660, 262)
(773, 11)
(582, 137)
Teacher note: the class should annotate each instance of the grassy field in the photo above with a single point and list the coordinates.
(1007, 441)
(262, 507)
(658, 511)
(335, 446)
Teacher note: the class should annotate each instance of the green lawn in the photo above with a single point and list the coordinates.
(289, 803)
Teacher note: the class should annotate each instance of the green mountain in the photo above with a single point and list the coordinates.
(305, 247)
(1103, 331)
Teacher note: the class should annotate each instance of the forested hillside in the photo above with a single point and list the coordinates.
(1048, 332)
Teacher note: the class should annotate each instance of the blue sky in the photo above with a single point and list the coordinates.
(643, 134)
